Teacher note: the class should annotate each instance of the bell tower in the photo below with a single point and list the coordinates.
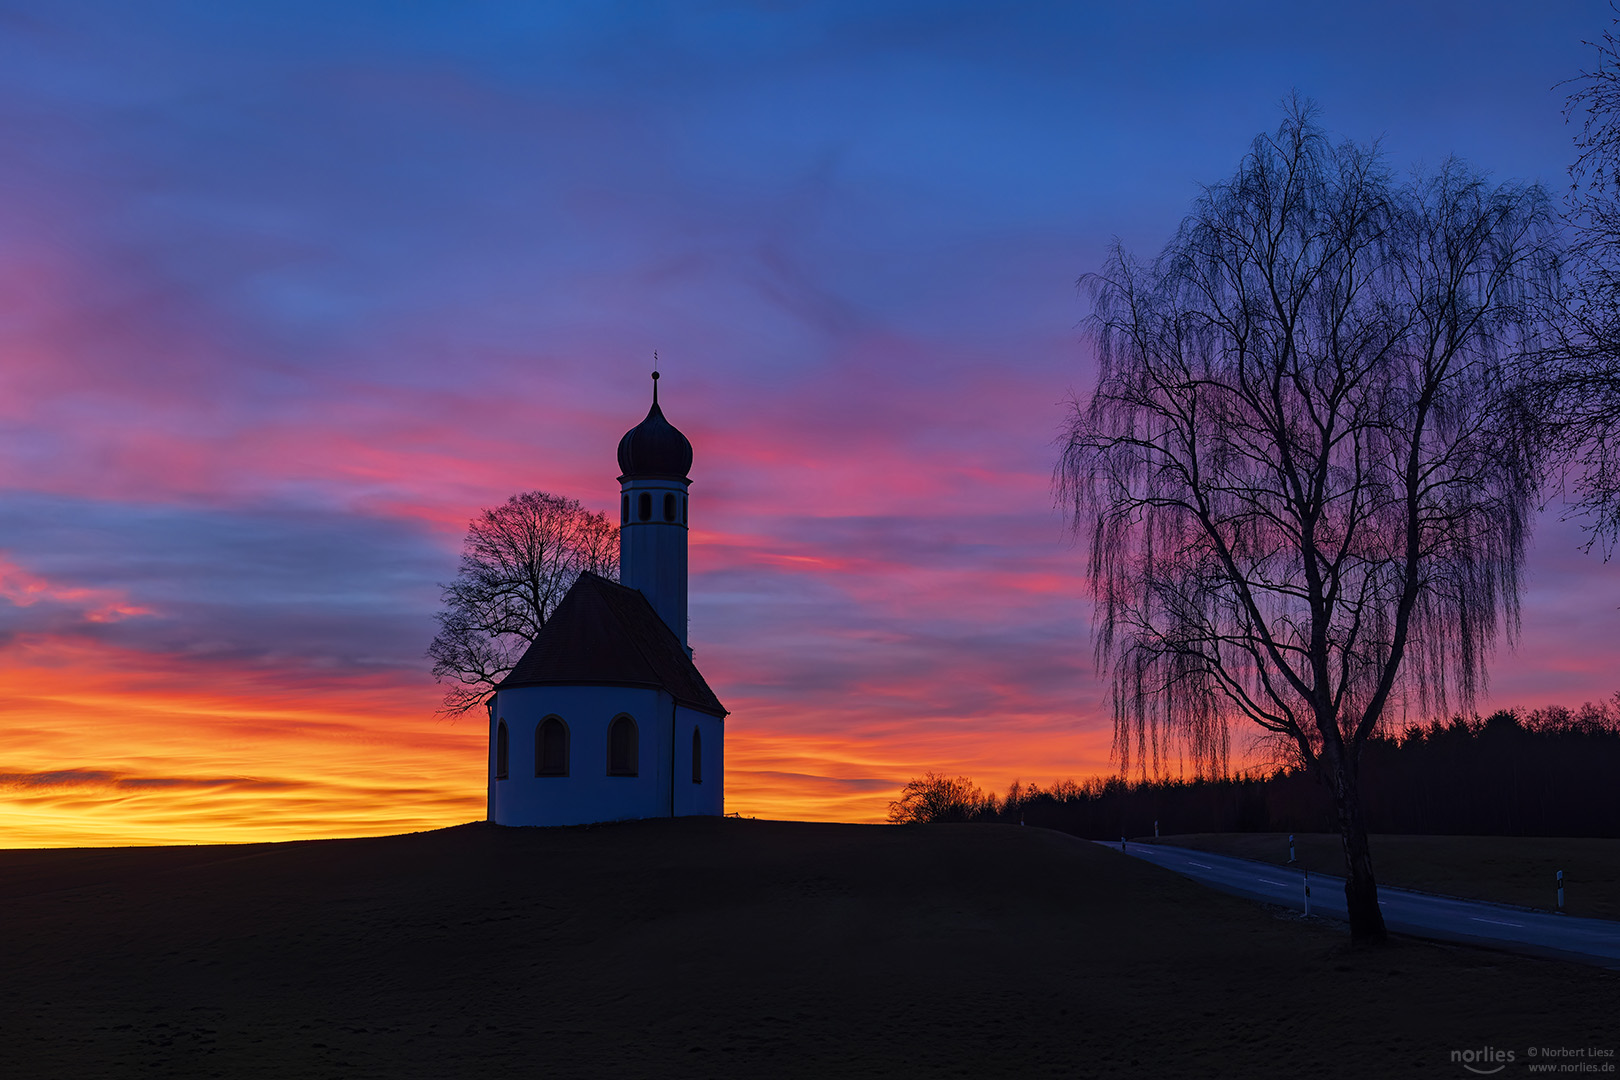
(654, 458)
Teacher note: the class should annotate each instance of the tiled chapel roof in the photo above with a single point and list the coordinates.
(606, 634)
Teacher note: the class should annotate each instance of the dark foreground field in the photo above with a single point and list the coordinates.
(723, 948)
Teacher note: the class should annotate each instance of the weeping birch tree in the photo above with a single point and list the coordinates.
(1583, 376)
(1304, 476)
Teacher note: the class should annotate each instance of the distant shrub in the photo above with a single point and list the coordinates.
(937, 798)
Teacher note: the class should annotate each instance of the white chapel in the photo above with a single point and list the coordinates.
(605, 717)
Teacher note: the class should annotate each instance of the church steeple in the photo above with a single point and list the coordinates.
(654, 459)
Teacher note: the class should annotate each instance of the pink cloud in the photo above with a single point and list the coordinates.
(24, 589)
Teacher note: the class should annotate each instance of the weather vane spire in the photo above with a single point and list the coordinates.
(655, 376)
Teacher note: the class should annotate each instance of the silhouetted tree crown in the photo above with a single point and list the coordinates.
(518, 561)
(937, 798)
(1304, 475)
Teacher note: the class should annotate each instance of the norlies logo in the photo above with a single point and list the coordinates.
(1484, 1061)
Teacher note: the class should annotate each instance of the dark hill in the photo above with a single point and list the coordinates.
(720, 948)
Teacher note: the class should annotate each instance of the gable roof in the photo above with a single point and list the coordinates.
(606, 634)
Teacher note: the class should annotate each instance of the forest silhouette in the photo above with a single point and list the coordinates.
(1543, 772)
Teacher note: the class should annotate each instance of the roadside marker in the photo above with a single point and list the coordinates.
(1155, 828)
(1122, 843)
(1290, 849)
(1560, 892)
(1307, 874)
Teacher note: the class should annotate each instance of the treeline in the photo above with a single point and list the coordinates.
(1548, 772)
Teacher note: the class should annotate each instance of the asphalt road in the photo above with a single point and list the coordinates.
(1475, 922)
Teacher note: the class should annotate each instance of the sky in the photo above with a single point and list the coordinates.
(289, 291)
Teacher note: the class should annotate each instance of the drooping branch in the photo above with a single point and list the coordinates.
(1581, 378)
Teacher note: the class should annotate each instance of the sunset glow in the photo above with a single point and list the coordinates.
(287, 297)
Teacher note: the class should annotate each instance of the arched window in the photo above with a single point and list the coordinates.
(669, 506)
(501, 752)
(551, 748)
(624, 509)
(697, 756)
(644, 506)
(623, 741)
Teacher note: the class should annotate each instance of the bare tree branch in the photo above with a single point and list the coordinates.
(1582, 381)
(517, 563)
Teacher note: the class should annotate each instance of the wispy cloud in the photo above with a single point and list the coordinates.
(101, 778)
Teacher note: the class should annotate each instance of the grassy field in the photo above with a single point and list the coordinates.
(710, 948)
(1505, 869)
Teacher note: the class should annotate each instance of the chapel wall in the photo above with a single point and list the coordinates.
(587, 794)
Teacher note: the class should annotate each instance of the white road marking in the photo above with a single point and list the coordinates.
(1497, 922)
(1268, 881)
(1201, 866)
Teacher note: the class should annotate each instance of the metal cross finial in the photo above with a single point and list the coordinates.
(655, 376)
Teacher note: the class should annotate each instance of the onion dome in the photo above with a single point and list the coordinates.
(655, 447)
